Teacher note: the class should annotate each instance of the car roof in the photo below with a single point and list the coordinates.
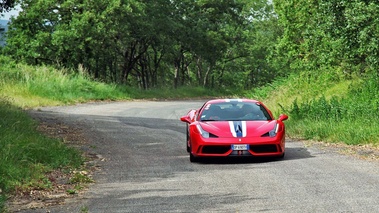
(226, 100)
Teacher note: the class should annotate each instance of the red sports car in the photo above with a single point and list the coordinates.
(234, 127)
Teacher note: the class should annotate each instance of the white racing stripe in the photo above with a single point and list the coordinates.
(229, 100)
(238, 128)
(244, 129)
(232, 130)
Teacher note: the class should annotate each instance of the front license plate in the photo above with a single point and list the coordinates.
(240, 147)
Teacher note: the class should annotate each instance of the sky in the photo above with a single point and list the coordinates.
(7, 15)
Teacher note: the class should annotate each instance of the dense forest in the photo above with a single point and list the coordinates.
(210, 43)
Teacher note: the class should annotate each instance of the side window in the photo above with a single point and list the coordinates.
(265, 113)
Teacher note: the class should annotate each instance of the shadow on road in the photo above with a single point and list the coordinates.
(291, 154)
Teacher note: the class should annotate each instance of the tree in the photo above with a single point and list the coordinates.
(147, 44)
(6, 5)
(329, 34)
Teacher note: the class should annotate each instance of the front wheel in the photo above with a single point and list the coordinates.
(187, 140)
(281, 156)
(193, 159)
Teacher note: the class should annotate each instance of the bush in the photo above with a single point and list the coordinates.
(351, 118)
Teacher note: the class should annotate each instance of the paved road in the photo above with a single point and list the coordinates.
(147, 169)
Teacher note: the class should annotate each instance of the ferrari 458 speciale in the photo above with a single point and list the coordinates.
(234, 128)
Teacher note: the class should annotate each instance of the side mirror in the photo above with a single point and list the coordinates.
(283, 117)
(189, 117)
(186, 119)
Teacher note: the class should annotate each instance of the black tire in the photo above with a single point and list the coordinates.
(193, 159)
(281, 156)
(187, 140)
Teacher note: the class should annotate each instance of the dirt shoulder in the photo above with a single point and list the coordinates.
(62, 187)
(366, 152)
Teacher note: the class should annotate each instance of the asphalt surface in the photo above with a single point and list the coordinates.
(147, 169)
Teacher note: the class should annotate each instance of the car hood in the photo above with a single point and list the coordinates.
(238, 128)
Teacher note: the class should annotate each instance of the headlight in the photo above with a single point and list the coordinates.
(202, 132)
(273, 132)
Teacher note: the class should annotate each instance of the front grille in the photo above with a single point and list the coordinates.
(215, 149)
(264, 148)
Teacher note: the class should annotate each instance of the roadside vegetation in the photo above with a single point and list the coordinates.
(316, 61)
(325, 107)
(27, 155)
(32, 86)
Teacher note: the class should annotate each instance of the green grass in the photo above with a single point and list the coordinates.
(358, 133)
(29, 87)
(42, 86)
(327, 107)
(26, 155)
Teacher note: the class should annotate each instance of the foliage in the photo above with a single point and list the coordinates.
(320, 107)
(80, 178)
(3, 198)
(31, 86)
(150, 44)
(328, 34)
(6, 5)
(330, 45)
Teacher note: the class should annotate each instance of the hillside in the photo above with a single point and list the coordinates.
(327, 107)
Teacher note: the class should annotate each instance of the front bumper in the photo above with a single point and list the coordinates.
(258, 146)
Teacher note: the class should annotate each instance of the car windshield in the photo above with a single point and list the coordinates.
(234, 111)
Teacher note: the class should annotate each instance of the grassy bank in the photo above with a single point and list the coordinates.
(327, 107)
(26, 155)
(29, 87)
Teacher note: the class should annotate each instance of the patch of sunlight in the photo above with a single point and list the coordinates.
(21, 97)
